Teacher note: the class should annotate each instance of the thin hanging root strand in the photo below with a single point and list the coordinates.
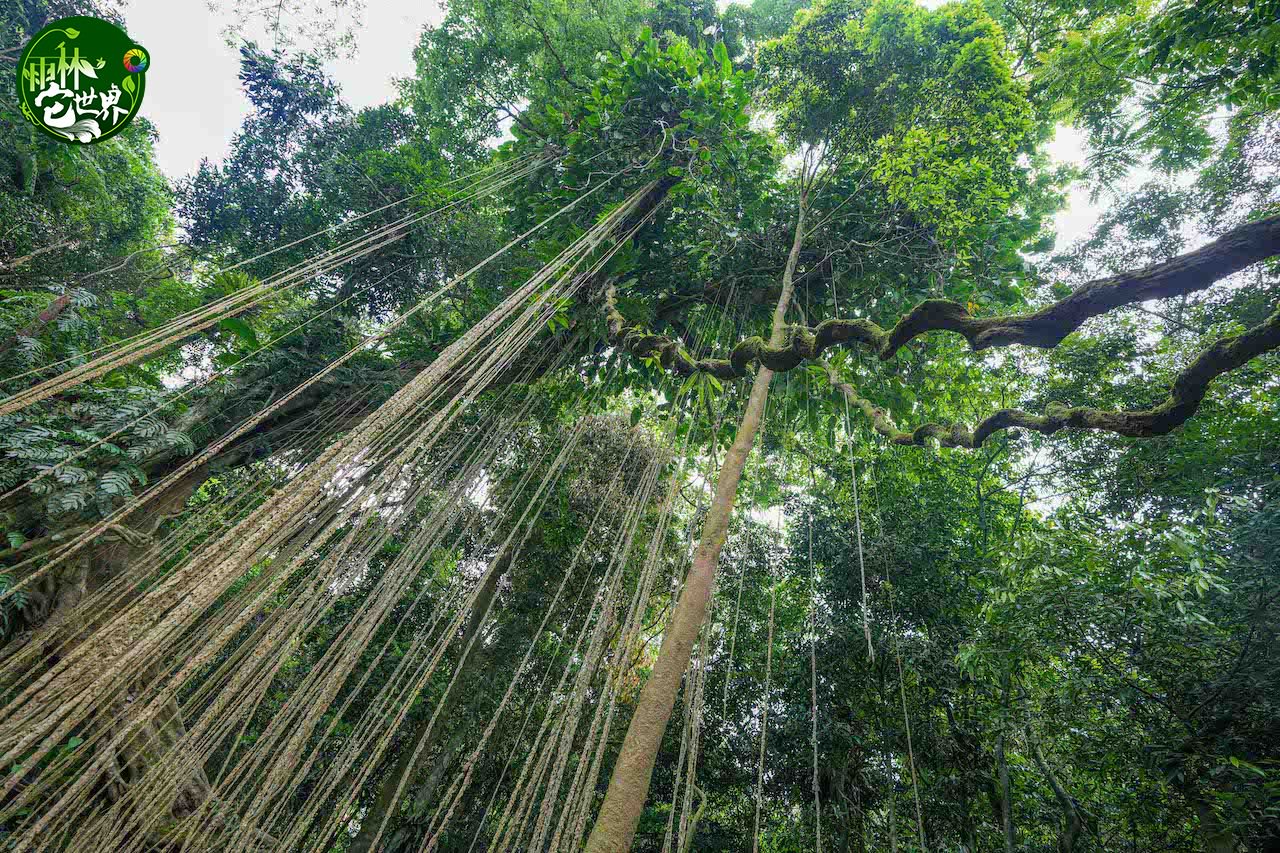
(441, 366)
(185, 393)
(764, 719)
(554, 743)
(813, 689)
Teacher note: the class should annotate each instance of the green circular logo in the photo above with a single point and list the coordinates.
(81, 79)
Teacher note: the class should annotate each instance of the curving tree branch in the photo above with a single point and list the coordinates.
(1185, 396)
(1044, 329)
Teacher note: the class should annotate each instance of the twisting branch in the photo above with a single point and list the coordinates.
(1044, 329)
(1185, 396)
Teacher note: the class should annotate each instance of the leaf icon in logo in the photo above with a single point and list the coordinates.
(72, 33)
(128, 85)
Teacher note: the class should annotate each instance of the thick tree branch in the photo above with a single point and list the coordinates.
(1185, 396)
(1045, 329)
(1076, 818)
(17, 262)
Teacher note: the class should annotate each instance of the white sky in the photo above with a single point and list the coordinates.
(194, 98)
(193, 89)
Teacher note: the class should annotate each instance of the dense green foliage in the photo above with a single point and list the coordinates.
(1077, 633)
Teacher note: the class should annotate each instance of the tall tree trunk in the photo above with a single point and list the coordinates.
(1006, 815)
(629, 786)
(893, 817)
(424, 739)
(968, 829)
(425, 794)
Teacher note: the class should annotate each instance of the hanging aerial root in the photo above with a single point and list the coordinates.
(151, 341)
(1043, 329)
(1185, 396)
(530, 288)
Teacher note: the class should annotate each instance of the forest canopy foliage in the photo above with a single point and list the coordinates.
(665, 425)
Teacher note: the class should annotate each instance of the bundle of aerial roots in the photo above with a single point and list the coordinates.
(157, 676)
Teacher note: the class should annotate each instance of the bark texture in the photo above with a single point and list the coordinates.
(615, 826)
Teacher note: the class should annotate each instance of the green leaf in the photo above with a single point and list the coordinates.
(240, 329)
(1245, 765)
(636, 414)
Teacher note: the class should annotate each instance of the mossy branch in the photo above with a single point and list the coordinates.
(1044, 329)
(1185, 396)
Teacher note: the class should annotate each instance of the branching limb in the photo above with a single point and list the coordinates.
(17, 262)
(1185, 396)
(1044, 329)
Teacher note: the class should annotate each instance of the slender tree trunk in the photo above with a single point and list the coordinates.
(424, 739)
(629, 786)
(1006, 808)
(1002, 764)
(968, 830)
(1073, 818)
(424, 796)
(1217, 838)
(893, 818)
